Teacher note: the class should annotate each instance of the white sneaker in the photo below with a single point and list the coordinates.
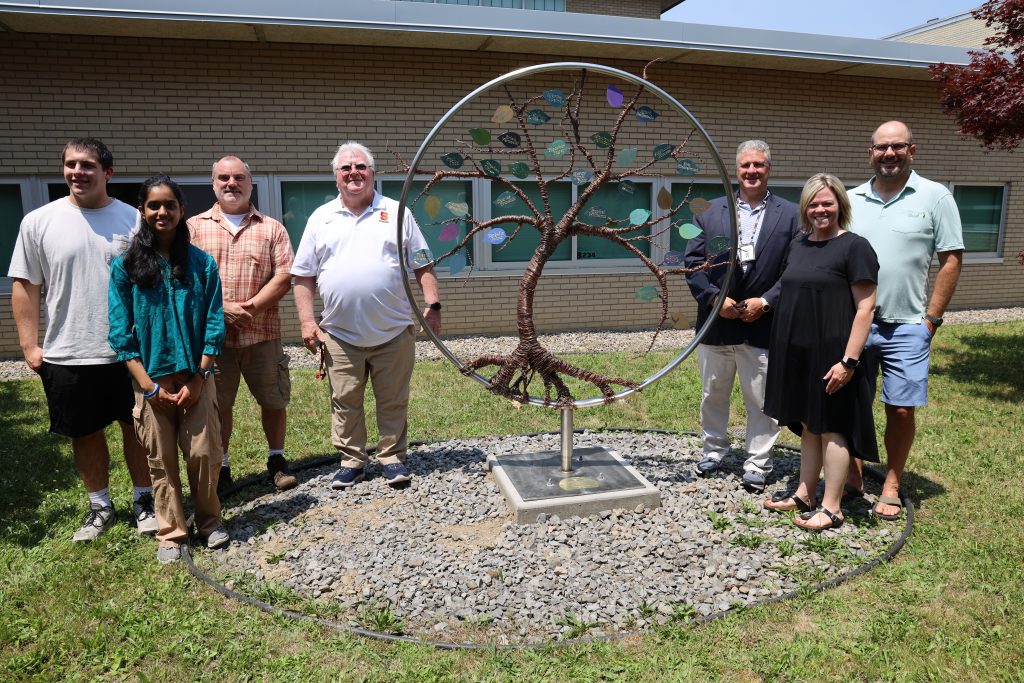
(99, 519)
(145, 517)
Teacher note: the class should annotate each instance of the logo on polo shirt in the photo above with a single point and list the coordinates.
(383, 216)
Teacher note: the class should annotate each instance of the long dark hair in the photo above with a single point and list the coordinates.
(141, 260)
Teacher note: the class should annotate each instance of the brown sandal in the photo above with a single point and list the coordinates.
(888, 500)
(835, 521)
(784, 502)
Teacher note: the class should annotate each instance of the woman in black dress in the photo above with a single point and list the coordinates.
(814, 386)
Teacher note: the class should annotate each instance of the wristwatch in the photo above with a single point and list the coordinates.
(204, 373)
(850, 363)
(436, 306)
(936, 322)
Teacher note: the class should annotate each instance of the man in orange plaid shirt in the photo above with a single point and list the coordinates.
(254, 256)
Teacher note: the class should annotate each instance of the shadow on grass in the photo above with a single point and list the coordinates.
(32, 463)
(919, 488)
(988, 366)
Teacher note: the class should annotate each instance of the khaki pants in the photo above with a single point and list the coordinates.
(719, 366)
(389, 369)
(161, 430)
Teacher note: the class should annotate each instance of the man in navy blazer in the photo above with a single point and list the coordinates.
(737, 343)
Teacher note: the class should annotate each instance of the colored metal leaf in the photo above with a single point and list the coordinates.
(614, 96)
(503, 114)
(452, 160)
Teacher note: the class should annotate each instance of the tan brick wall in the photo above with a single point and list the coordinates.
(969, 32)
(645, 9)
(168, 106)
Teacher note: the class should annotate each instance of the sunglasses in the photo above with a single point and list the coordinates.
(346, 168)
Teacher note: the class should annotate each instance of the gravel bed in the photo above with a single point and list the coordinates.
(566, 342)
(443, 560)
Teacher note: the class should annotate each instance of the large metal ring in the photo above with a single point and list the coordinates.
(571, 66)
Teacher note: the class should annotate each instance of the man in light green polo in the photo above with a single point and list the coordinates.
(907, 219)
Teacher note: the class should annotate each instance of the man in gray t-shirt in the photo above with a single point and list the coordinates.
(72, 241)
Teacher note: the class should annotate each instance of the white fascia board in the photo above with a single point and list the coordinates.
(512, 23)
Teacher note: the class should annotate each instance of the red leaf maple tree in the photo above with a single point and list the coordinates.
(987, 95)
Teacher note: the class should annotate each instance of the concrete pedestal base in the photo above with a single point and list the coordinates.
(534, 483)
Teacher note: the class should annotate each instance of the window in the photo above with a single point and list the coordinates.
(616, 205)
(982, 208)
(711, 191)
(12, 209)
(198, 194)
(521, 248)
(706, 191)
(455, 201)
(581, 251)
(299, 199)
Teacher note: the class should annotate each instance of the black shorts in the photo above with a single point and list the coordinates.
(86, 398)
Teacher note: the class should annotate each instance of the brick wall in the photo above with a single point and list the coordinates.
(174, 106)
(645, 9)
(968, 32)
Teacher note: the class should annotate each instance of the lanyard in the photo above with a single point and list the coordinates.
(758, 221)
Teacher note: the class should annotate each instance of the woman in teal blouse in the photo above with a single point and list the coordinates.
(167, 326)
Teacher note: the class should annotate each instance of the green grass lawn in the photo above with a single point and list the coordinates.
(950, 607)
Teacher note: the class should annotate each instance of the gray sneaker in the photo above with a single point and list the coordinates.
(708, 466)
(145, 517)
(753, 481)
(218, 538)
(168, 554)
(99, 519)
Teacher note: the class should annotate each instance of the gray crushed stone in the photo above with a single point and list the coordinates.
(443, 559)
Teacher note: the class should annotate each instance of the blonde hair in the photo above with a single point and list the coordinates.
(815, 184)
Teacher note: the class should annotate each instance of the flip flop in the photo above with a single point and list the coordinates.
(888, 500)
(783, 504)
(835, 521)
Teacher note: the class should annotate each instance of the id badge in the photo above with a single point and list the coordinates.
(746, 253)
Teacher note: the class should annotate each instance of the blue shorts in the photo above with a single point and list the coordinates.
(903, 353)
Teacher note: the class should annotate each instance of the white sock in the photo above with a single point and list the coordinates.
(276, 451)
(101, 498)
(141, 491)
(224, 461)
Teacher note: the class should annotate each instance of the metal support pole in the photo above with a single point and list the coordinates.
(567, 439)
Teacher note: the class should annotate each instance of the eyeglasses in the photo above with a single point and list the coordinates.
(896, 147)
(348, 167)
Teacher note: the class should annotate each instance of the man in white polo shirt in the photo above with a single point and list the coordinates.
(907, 219)
(349, 252)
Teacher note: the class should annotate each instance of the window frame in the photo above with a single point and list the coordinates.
(260, 180)
(28, 203)
(985, 256)
(574, 265)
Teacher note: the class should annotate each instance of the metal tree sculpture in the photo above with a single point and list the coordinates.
(590, 163)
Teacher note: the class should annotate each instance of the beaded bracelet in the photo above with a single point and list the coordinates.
(156, 390)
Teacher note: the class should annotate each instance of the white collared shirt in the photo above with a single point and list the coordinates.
(355, 262)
